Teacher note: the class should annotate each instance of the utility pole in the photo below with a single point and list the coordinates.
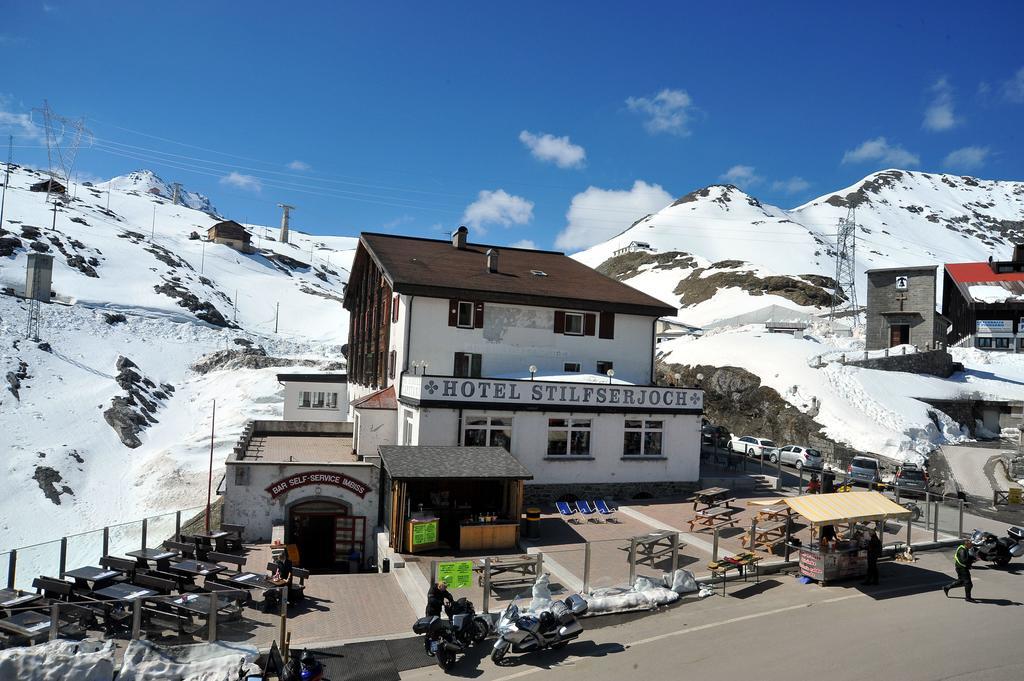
(284, 221)
(846, 270)
(177, 193)
(7, 177)
(209, 484)
(234, 308)
(202, 261)
(277, 311)
(153, 235)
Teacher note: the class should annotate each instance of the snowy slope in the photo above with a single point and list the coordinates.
(112, 262)
(905, 218)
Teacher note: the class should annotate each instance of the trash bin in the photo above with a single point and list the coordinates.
(828, 482)
(385, 565)
(533, 523)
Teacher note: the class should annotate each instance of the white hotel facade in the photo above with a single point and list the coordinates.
(456, 344)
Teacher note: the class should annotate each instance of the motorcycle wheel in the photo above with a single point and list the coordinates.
(444, 659)
(498, 654)
(480, 630)
(1001, 560)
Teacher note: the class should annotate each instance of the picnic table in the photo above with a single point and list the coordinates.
(91, 576)
(216, 539)
(257, 581)
(199, 603)
(196, 568)
(518, 571)
(742, 563)
(712, 497)
(767, 536)
(12, 598)
(122, 591)
(776, 512)
(714, 518)
(161, 557)
(651, 547)
(28, 623)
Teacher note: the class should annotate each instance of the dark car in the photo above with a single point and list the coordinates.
(911, 480)
(712, 435)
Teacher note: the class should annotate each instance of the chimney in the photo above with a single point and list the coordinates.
(1018, 253)
(492, 260)
(459, 238)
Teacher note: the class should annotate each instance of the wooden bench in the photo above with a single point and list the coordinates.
(125, 566)
(233, 543)
(228, 559)
(766, 537)
(714, 518)
(186, 550)
(156, 583)
(75, 606)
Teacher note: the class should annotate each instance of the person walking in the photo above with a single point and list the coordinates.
(962, 560)
(874, 550)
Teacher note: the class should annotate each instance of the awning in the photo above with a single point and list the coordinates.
(845, 507)
(427, 462)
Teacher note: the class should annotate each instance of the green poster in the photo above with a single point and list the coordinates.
(424, 533)
(456, 575)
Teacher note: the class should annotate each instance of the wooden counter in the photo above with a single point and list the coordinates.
(486, 536)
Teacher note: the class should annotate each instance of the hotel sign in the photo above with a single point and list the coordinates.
(550, 394)
(318, 478)
(984, 326)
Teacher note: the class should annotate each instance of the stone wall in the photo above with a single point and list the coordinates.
(620, 491)
(885, 307)
(932, 362)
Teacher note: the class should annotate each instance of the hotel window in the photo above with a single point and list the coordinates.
(1003, 343)
(569, 436)
(465, 314)
(487, 431)
(642, 438)
(604, 367)
(575, 323)
(318, 400)
(467, 365)
(983, 342)
(571, 367)
(407, 427)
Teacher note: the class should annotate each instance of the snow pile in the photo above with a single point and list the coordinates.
(219, 661)
(59, 661)
(647, 593)
(990, 293)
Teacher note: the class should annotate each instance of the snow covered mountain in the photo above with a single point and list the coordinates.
(719, 252)
(105, 420)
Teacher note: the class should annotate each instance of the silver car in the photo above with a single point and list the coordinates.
(865, 470)
(795, 455)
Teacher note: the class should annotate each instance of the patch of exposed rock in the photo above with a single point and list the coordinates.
(202, 309)
(47, 478)
(246, 358)
(14, 379)
(699, 287)
(628, 265)
(133, 412)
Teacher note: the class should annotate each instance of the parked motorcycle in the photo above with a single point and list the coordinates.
(440, 642)
(998, 550)
(468, 627)
(303, 667)
(552, 628)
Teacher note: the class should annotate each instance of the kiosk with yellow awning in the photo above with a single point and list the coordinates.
(829, 560)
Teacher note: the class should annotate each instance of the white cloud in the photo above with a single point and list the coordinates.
(18, 124)
(240, 181)
(557, 150)
(497, 207)
(793, 185)
(299, 166)
(599, 214)
(880, 150)
(741, 176)
(668, 111)
(400, 220)
(524, 243)
(939, 114)
(967, 158)
(1013, 89)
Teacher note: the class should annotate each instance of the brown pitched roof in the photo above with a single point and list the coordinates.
(382, 399)
(433, 267)
(228, 229)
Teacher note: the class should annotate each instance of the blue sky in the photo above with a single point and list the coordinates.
(555, 124)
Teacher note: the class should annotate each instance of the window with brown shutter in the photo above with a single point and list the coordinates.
(478, 316)
(589, 324)
(392, 360)
(453, 312)
(607, 329)
(559, 321)
(394, 309)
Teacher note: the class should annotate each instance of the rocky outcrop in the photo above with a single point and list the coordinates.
(47, 478)
(202, 309)
(14, 379)
(246, 358)
(133, 412)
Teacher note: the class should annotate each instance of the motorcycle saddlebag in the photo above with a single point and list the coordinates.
(1016, 533)
(577, 604)
(562, 612)
(422, 625)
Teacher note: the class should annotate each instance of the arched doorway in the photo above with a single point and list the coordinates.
(325, 533)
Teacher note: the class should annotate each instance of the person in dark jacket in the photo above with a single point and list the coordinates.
(962, 560)
(436, 598)
(874, 550)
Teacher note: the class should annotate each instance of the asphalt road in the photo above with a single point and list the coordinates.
(781, 630)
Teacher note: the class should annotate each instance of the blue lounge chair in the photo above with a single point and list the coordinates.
(566, 511)
(604, 509)
(584, 507)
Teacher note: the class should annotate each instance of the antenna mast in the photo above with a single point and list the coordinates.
(284, 221)
(846, 269)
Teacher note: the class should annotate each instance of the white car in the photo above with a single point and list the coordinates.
(795, 455)
(756, 447)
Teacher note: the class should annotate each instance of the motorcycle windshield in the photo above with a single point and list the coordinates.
(508, 617)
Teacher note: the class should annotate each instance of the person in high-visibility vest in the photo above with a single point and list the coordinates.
(962, 560)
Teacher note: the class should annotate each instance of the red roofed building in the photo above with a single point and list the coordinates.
(985, 300)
